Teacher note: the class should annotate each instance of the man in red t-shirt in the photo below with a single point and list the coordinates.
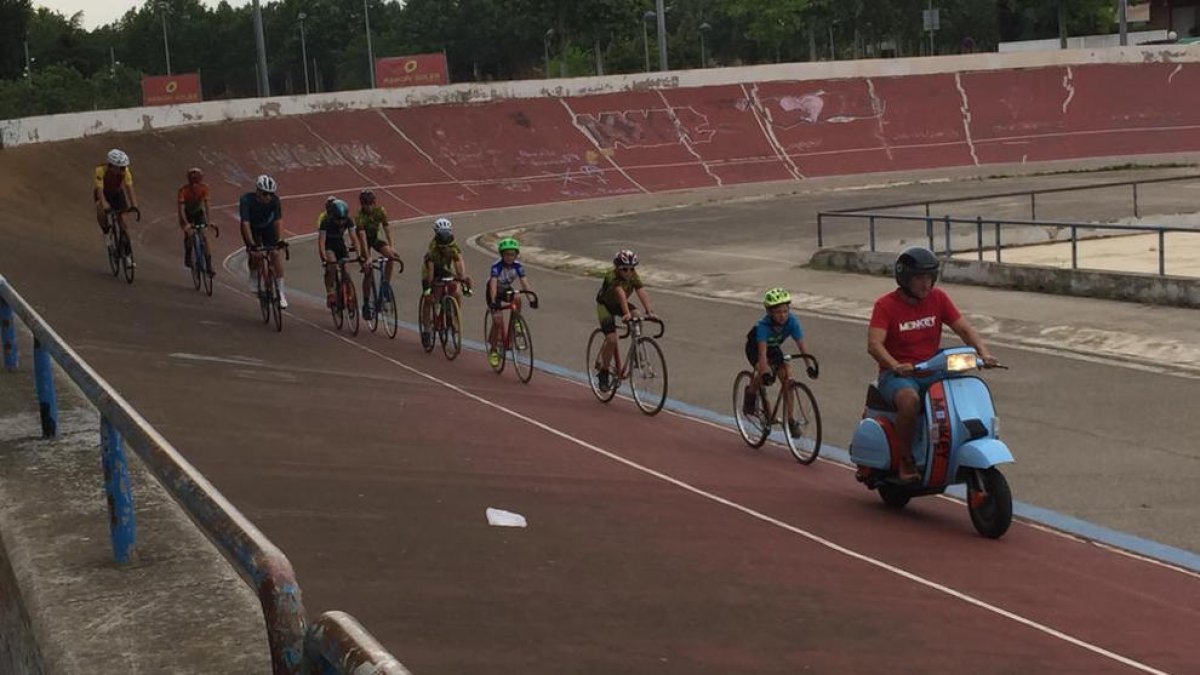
(906, 328)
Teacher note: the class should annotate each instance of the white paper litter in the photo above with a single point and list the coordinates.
(501, 518)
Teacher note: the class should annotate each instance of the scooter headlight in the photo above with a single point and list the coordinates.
(957, 363)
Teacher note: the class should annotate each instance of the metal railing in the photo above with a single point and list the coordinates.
(979, 223)
(336, 645)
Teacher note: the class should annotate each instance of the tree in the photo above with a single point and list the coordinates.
(771, 23)
(14, 24)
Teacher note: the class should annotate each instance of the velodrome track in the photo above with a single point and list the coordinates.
(654, 545)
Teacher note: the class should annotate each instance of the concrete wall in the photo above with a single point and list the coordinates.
(1145, 288)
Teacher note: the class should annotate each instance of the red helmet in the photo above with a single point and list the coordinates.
(625, 258)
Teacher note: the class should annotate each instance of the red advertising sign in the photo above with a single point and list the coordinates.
(170, 89)
(411, 71)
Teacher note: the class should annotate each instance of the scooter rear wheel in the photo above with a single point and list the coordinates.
(895, 496)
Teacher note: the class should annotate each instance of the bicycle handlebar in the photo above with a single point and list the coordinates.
(133, 209)
(662, 327)
(813, 368)
(380, 261)
(280, 245)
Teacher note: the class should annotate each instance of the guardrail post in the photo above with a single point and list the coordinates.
(1162, 252)
(43, 374)
(1033, 206)
(122, 525)
(929, 230)
(997, 241)
(1074, 248)
(820, 230)
(871, 231)
(8, 333)
(949, 248)
(979, 237)
(1135, 201)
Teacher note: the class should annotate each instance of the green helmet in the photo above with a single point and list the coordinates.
(776, 296)
(508, 244)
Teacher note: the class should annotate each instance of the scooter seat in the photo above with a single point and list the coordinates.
(876, 401)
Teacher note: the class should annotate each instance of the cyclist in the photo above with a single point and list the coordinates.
(505, 272)
(333, 225)
(112, 189)
(764, 353)
(261, 215)
(193, 210)
(442, 255)
(905, 329)
(373, 235)
(613, 301)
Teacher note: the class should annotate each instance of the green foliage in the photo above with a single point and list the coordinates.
(74, 69)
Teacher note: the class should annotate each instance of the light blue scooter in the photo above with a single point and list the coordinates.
(956, 441)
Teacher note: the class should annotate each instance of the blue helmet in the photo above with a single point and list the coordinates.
(336, 208)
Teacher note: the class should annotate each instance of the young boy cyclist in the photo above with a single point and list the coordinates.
(506, 272)
(612, 302)
(764, 353)
(193, 210)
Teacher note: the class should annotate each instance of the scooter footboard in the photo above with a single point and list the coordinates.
(982, 453)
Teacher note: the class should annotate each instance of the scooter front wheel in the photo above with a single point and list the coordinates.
(989, 501)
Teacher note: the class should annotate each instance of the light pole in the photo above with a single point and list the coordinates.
(546, 49)
(303, 50)
(370, 51)
(646, 37)
(264, 83)
(28, 62)
(112, 60)
(1122, 11)
(704, 28)
(163, 8)
(662, 35)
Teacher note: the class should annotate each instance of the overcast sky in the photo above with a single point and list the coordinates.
(100, 12)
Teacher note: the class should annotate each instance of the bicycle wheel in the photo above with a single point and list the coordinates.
(805, 439)
(276, 309)
(488, 318)
(425, 326)
(452, 331)
(387, 307)
(350, 300)
(593, 357)
(339, 304)
(264, 296)
(114, 256)
(127, 259)
(202, 257)
(197, 262)
(521, 343)
(370, 295)
(755, 428)
(648, 375)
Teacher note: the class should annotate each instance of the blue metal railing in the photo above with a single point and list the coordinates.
(337, 644)
(872, 219)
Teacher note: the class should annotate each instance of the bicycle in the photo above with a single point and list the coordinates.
(380, 298)
(268, 283)
(755, 428)
(202, 272)
(120, 249)
(517, 338)
(644, 366)
(345, 304)
(445, 322)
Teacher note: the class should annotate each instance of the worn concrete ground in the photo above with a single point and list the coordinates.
(178, 607)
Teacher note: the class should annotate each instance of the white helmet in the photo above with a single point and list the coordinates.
(442, 226)
(266, 184)
(118, 158)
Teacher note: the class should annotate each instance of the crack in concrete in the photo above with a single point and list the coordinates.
(759, 112)
(966, 116)
(683, 139)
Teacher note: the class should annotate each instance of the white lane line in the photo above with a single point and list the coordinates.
(237, 360)
(429, 158)
(684, 140)
(928, 583)
(350, 165)
(596, 142)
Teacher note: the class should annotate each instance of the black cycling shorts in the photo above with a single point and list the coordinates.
(338, 248)
(774, 355)
(264, 236)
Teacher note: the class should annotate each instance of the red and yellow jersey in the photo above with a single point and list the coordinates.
(193, 196)
(111, 181)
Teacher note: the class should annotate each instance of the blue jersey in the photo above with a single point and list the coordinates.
(766, 330)
(256, 213)
(507, 275)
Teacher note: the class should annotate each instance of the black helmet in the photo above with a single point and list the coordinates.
(913, 261)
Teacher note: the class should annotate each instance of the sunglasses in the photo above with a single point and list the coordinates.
(624, 269)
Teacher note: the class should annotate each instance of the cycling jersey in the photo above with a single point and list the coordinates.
(507, 275)
(371, 220)
(443, 255)
(259, 215)
(766, 330)
(192, 197)
(608, 289)
(334, 228)
(111, 182)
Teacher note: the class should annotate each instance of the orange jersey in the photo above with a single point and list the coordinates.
(111, 181)
(193, 197)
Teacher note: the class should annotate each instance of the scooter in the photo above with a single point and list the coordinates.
(956, 441)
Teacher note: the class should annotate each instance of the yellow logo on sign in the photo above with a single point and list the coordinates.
(172, 86)
(410, 66)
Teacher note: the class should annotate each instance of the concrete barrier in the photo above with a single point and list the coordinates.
(1129, 287)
